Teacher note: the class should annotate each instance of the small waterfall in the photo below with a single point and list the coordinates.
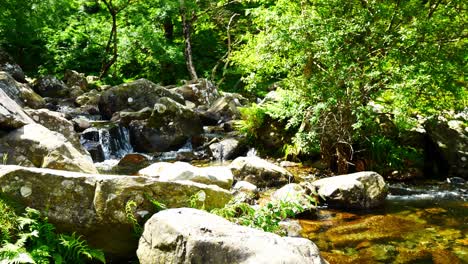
(107, 142)
(252, 153)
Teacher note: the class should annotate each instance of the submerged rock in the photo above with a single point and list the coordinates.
(95, 205)
(220, 176)
(360, 190)
(192, 236)
(35, 145)
(260, 172)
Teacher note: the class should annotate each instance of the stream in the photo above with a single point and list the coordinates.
(425, 222)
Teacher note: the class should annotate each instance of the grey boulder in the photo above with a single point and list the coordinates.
(192, 236)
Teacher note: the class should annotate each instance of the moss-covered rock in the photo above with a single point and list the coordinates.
(21, 93)
(133, 96)
(94, 205)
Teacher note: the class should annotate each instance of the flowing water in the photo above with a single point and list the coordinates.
(421, 223)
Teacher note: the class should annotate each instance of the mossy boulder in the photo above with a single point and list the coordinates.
(133, 96)
(94, 205)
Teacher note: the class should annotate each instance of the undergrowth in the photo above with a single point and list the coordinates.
(30, 238)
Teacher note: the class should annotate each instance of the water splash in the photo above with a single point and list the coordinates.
(107, 142)
(252, 153)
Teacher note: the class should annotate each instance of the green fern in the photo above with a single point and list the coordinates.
(130, 208)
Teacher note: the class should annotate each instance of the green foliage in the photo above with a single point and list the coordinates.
(31, 239)
(266, 217)
(130, 208)
(198, 200)
(252, 119)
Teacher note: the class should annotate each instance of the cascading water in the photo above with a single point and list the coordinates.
(107, 142)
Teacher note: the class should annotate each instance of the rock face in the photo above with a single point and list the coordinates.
(191, 236)
(94, 205)
(168, 128)
(259, 172)
(134, 96)
(7, 64)
(12, 115)
(50, 86)
(21, 93)
(449, 139)
(362, 190)
(165, 171)
(35, 145)
(228, 149)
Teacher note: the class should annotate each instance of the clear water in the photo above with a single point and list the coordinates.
(421, 223)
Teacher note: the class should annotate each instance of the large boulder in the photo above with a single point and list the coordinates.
(35, 145)
(134, 96)
(228, 149)
(259, 172)
(361, 190)
(57, 122)
(12, 115)
(95, 205)
(20, 92)
(75, 79)
(192, 236)
(166, 171)
(201, 92)
(168, 128)
(448, 139)
(50, 86)
(295, 193)
(225, 108)
(7, 64)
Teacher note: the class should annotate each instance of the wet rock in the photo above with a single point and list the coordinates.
(21, 93)
(165, 171)
(7, 64)
(50, 86)
(112, 140)
(131, 163)
(191, 236)
(260, 172)
(360, 190)
(12, 115)
(168, 128)
(33, 144)
(228, 149)
(94, 205)
(134, 96)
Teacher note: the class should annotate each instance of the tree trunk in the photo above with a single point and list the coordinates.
(106, 65)
(186, 28)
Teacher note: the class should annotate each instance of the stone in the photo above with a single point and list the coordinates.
(361, 190)
(192, 236)
(224, 109)
(94, 205)
(245, 192)
(125, 117)
(447, 149)
(21, 93)
(295, 193)
(228, 149)
(50, 86)
(12, 115)
(133, 96)
(201, 92)
(169, 127)
(57, 122)
(90, 98)
(74, 78)
(260, 172)
(7, 64)
(166, 171)
(44, 148)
